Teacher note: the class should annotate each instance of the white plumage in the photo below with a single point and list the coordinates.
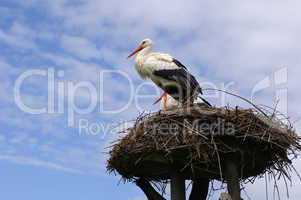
(147, 63)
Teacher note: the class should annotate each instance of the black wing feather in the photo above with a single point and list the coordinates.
(187, 86)
(181, 76)
(187, 82)
(178, 63)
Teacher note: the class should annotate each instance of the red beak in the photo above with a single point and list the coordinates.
(135, 52)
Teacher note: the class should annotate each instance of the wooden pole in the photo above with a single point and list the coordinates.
(177, 187)
(148, 190)
(199, 189)
(232, 178)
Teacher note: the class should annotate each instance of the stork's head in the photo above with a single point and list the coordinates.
(146, 43)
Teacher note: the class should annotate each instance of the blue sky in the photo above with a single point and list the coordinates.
(244, 45)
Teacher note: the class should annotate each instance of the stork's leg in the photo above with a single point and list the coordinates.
(165, 101)
(164, 98)
(159, 99)
(148, 190)
(199, 189)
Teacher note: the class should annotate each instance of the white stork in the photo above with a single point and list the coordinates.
(167, 73)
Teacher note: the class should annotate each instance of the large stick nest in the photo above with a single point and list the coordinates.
(196, 142)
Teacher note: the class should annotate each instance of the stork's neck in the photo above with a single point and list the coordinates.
(142, 54)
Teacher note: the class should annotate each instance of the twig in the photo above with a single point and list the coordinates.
(246, 100)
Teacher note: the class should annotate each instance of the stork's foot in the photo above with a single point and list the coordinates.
(164, 98)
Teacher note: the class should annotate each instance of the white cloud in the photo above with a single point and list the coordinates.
(18, 36)
(80, 47)
(246, 37)
(38, 163)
